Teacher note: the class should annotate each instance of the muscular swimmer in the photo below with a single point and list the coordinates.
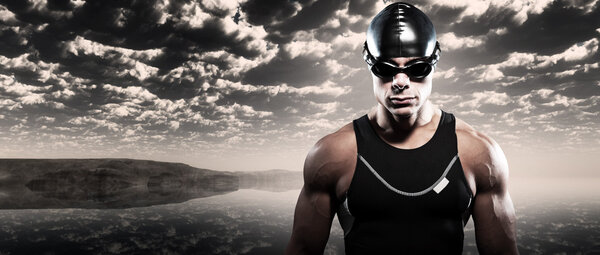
(406, 177)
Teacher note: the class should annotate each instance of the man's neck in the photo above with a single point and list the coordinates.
(398, 124)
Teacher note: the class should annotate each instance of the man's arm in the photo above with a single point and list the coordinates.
(325, 169)
(312, 222)
(493, 212)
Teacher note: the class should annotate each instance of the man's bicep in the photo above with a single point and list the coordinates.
(493, 212)
(312, 222)
(494, 219)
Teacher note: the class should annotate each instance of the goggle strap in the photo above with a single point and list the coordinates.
(367, 55)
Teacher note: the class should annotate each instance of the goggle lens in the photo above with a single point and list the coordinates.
(416, 71)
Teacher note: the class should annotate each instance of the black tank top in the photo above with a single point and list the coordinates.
(406, 201)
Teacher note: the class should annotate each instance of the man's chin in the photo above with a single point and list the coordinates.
(402, 112)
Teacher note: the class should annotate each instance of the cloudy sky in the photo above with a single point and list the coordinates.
(250, 85)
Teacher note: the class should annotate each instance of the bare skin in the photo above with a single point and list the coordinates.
(405, 119)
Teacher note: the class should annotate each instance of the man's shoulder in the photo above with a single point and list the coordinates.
(472, 139)
(481, 155)
(331, 156)
(341, 140)
(335, 147)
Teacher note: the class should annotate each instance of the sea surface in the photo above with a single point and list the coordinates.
(553, 217)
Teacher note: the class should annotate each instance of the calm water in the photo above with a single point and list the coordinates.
(259, 222)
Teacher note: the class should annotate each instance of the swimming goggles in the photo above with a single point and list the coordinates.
(416, 69)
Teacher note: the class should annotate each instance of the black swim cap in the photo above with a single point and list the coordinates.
(400, 30)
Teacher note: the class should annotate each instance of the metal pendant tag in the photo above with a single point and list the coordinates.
(438, 188)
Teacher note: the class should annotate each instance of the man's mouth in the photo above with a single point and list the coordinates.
(402, 99)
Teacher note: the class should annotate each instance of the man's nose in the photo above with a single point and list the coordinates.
(401, 81)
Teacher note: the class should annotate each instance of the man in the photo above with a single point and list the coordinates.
(406, 177)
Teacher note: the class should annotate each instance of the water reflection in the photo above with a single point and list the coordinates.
(48, 214)
(105, 188)
(241, 222)
(251, 222)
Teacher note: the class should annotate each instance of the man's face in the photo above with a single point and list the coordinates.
(399, 94)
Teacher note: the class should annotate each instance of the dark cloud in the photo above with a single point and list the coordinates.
(552, 31)
(492, 18)
(12, 44)
(212, 37)
(60, 5)
(362, 7)
(129, 24)
(310, 17)
(443, 16)
(266, 12)
(468, 57)
(25, 12)
(276, 16)
(299, 71)
(582, 84)
(179, 88)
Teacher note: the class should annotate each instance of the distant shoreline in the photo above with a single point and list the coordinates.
(122, 182)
